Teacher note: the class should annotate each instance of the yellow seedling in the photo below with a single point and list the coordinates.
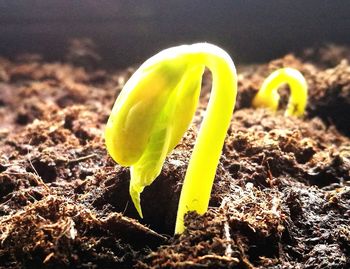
(154, 110)
(269, 97)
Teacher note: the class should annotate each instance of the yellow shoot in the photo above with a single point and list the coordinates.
(269, 97)
(154, 110)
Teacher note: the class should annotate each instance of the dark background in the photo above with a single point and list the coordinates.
(126, 32)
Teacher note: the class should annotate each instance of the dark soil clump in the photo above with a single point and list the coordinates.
(281, 196)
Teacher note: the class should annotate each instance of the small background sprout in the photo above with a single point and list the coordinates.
(268, 96)
(154, 110)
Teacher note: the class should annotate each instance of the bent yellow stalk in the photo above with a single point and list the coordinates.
(154, 110)
(269, 97)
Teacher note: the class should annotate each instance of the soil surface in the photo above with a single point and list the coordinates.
(281, 197)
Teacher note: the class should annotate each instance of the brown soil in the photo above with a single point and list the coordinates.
(281, 197)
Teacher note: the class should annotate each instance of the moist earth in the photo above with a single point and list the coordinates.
(281, 196)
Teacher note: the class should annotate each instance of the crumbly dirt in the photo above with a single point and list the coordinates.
(281, 197)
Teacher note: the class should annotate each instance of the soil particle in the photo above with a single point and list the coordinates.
(327, 84)
(328, 55)
(321, 225)
(57, 233)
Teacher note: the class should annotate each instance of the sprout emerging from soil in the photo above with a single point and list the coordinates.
(154, 110)
(269, 97)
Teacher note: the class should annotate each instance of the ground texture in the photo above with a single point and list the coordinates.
(281, 197)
